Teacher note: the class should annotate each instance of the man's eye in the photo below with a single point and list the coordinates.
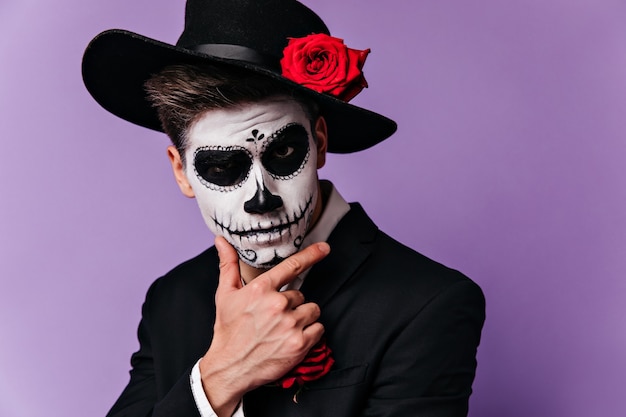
(219, 171)
(283, 151)
(288, 152)
(222, 168)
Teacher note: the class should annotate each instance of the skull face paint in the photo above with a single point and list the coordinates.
(253, 170)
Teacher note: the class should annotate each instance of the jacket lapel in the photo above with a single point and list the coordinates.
(350, 245)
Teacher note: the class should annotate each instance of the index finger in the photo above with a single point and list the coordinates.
(290, 268)
(230, 277)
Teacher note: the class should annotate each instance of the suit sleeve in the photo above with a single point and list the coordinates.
(140, 398)
(429, 367)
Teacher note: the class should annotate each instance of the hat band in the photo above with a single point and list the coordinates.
(239, 53)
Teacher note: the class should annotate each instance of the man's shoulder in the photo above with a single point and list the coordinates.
(206, 261)
(394, 266)
(196, 275)
(403, 257)
(415, 272)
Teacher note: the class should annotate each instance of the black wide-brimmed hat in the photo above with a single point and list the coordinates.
(249, 34)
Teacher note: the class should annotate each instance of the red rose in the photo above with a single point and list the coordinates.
(315, 365)
(324, 64)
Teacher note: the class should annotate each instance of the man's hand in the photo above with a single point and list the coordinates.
(260, 333)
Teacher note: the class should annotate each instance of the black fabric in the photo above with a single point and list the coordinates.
(117, 63)
(262, 25)
(237, 52)
(403, 330)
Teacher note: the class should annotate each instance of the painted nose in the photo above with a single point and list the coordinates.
(262, 202)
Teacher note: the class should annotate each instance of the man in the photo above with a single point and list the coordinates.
(272, 321)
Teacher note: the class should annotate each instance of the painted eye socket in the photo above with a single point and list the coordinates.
(224, 168)
(287, 152)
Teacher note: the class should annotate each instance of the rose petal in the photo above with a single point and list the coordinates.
(324, 64)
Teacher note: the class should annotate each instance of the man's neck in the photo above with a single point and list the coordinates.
(248, 273)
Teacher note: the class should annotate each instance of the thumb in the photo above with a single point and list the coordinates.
(230, 278)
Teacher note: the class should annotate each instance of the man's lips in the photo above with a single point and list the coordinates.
(254, 232)
(279, 228)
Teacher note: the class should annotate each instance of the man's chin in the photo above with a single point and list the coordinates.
(265, 257)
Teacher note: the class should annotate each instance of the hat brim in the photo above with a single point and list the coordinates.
(117, 63)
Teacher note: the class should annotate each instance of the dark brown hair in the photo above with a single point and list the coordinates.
(183, 93)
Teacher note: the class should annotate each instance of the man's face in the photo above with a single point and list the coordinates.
(253, 170)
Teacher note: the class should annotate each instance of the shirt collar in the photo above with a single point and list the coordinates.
(334, 209)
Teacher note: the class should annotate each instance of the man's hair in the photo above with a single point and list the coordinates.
(181, 94)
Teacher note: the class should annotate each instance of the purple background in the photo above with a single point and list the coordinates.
(508, 165)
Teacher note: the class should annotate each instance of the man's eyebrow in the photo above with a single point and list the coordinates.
(219, 153)
(280, 133)
(219, 148)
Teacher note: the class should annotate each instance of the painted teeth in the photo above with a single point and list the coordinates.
(272, 229)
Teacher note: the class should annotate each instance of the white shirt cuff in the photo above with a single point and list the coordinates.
(202, 402)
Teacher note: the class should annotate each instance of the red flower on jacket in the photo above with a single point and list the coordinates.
(324, 64)
(315, 365)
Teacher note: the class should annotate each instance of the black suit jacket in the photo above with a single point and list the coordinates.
(403, 330)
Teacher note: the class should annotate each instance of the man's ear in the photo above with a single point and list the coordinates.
(321, 133)
(179, 172)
